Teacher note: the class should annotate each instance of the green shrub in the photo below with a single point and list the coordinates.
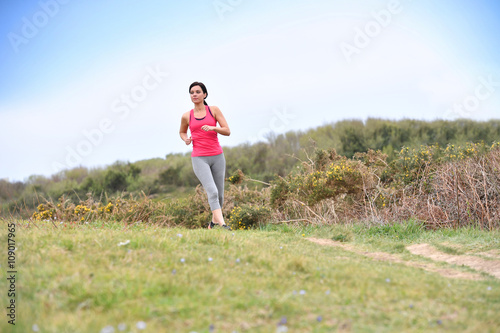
(327, 177)
(248, 216)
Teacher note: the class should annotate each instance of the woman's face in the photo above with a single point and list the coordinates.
(197, 94)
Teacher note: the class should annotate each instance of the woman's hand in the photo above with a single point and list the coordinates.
(219, 117)
(208, 128)
(188, 141)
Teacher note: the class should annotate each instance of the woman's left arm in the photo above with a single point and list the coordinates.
(219, 117)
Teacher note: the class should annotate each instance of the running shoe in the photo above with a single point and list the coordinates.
(211, 225)
(225, 226)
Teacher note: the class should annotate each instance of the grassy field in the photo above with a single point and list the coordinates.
(111, 278)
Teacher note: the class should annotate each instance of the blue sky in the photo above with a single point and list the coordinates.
(89, 83)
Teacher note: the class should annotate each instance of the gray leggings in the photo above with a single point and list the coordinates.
(211, 170)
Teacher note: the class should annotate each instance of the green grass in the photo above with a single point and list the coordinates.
(77, 279)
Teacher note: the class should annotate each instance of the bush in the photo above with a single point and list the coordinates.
(328, 176)
(248, 216)
(437, 187)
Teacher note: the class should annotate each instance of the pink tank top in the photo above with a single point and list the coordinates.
(204, 143)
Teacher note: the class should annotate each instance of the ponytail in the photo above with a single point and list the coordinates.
(205, 102)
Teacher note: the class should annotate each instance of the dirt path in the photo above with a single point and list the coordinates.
(491, 267)
(495, 254)
(383, 256)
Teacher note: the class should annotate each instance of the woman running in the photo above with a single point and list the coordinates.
(207, 156)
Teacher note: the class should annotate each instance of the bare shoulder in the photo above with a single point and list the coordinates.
(185, 118)
(215, 109)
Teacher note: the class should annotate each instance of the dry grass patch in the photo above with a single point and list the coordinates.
(491, 267)
(383, 256)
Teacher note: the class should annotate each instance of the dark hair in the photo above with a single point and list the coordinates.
(203, 88)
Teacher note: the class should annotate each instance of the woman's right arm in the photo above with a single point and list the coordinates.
(184, 128)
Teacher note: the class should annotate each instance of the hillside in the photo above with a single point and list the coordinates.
(173, 176)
